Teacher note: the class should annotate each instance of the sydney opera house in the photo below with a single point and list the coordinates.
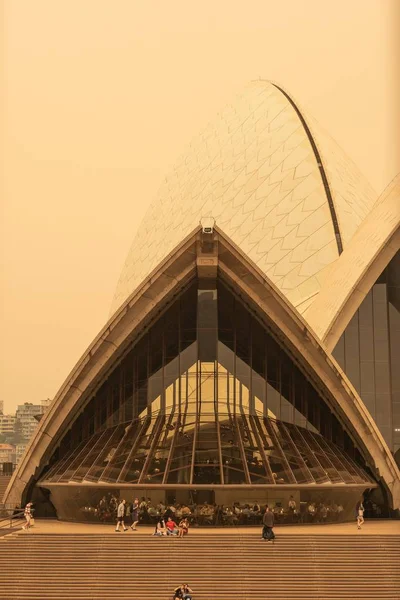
(253, 352)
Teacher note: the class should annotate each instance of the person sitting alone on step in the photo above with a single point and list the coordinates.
(183, 527)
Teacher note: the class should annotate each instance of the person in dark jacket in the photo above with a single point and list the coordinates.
(268, 524)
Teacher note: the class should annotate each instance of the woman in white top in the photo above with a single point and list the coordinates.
(360, 516)
(160, 527)
(27, 515)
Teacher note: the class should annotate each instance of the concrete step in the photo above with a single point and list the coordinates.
(223, 567)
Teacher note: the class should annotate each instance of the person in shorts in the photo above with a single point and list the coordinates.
(27, 515)
(360, 515)
(121, 516)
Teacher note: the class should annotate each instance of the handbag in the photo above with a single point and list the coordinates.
(32, 522)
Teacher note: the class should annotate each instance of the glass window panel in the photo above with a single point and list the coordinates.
(253, 452)
(366, 345)
(242, 374)
(336, 458)
(181, 461)
(75, 461)
(243, 341)
(135, 464)
(297, 464)
(158, 460)
(325, 462)
(280, 469)
(352, 354)
(104, 457)
(92, 454)
(365, 312)
(311, 462)
(62, 464)
(119, 457)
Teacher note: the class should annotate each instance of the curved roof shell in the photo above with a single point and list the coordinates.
(274, 182)
(353, 274)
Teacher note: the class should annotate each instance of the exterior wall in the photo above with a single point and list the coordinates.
(369, 352)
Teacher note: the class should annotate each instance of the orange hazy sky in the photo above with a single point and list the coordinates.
(101, 96)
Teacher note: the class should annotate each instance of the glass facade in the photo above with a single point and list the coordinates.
(207, 399)
(199, 449)
(369, 352)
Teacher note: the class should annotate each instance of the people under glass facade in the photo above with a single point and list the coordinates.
(207, 402)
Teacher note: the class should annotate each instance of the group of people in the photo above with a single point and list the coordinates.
(175, 519)
(165, 524)
(122, 513)
(169, 527)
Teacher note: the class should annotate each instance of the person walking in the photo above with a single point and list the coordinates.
(360, 515)
(135, 514)
(121, 516)
(28, 516)
(268, 524)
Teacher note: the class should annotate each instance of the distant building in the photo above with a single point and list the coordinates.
(45, 403)
(20, 449)
(7, 453)
(1, 407)
(27, 415)
(7, 423)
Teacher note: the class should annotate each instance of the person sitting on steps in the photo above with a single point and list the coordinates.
(183, 528)
(183, 592)
(160, 527)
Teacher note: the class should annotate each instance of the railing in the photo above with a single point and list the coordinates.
(7, 516)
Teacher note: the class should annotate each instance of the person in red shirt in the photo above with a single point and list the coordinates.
(172, 528)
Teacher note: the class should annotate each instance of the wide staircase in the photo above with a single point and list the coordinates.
(4, 480)
(221, 566)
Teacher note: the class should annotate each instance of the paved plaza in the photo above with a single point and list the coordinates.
(375, 527)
